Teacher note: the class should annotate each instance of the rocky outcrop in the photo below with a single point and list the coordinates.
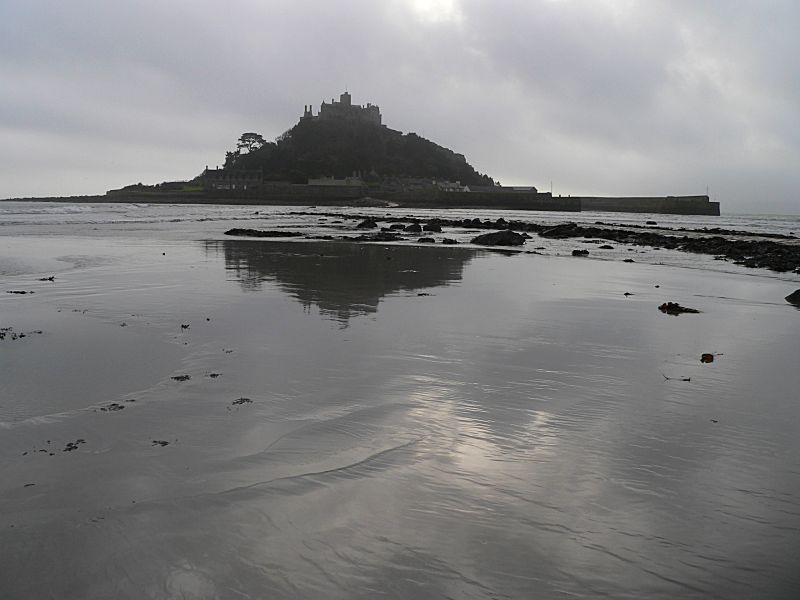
(794, 298)
(749, 249)
(765, 254)
(500, 238)
(379, 236)
(260, 233)
(560, 232)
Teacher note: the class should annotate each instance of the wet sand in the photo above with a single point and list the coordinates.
(364, 421)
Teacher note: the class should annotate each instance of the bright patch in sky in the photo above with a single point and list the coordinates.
(436, 11)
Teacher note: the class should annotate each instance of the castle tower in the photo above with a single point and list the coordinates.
(344, 109)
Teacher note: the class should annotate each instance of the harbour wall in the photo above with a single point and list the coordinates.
(305, 195)
(669, 205)
(299, 194)
(487, 200)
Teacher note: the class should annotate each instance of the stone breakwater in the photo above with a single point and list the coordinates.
(774, 252)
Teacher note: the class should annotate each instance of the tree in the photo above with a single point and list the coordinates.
(231, 158)
(250, 141)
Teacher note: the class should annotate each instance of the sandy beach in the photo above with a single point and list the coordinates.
(190, 415)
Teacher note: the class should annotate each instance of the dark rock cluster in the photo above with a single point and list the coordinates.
(500, 238)
(675, 309)
(380, 236)
(259, 233)
(762, 251)
(8, 332)
(765, 254)
(73, 445)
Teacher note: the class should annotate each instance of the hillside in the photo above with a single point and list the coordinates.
(339, 148)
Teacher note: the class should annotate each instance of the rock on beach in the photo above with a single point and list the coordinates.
(259, 233)
(500, 238)
(675, 309)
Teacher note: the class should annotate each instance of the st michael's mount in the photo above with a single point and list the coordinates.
(345, 155)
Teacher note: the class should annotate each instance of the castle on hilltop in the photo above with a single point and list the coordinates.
(345, 110)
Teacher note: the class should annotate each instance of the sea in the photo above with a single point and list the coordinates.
(186, 414)
(178, 221)
(43, 214)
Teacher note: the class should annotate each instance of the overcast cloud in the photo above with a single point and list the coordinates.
(606, 97)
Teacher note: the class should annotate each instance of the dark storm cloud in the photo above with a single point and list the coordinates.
(610, 97)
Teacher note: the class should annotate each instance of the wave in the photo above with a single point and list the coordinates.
(125, 221)
(69, 209)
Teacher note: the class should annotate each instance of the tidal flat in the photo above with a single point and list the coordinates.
(194, 416)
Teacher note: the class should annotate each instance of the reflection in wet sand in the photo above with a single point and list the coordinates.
(510, 436)
(342, 279)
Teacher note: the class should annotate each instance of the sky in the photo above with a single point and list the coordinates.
(591, 97)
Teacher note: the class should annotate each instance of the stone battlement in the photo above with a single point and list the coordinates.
(345, 110)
